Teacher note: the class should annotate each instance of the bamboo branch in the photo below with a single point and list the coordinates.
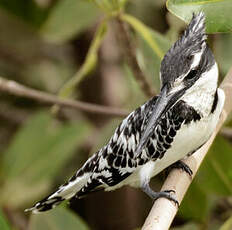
(163, 210)
(17, 89)
(129, 52)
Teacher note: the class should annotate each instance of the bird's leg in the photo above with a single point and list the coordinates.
(156, 195)
(180, 165)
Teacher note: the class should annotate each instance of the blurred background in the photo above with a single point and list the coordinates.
(46, 43)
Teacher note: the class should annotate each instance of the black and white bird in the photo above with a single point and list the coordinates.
(161, 132)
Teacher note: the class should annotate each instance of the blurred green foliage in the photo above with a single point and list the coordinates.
(29, 11)
(58, 219)
(68, 18)
(30, 163)
(53, 45)
(3, 223)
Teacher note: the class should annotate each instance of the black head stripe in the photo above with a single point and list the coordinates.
(179, 58)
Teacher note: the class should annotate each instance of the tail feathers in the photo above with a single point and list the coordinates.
(65, 192)
(45, 204)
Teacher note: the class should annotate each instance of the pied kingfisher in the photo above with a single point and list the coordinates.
(161, 132)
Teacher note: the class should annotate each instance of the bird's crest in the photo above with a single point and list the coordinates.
(179, 58)
(195, 32)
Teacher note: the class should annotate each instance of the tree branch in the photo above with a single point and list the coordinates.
(163, 210)
(129, 52)
(17, 89)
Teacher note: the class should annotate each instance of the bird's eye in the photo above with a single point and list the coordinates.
(191, 74)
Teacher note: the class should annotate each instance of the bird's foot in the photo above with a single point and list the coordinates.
(180, 165)
(166, 194)
(163, 194)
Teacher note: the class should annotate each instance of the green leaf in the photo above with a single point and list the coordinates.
(57, 219)
(110, 6)
(153, 46)
(3, 223)
(215, 175)
(39, 149)
(222, 51)
(122, 3)
(68, 18)
(89, 63)
(227, 225)
(218, 12)
(144, 31)
(29, 11)
(191, 209)
(135, 96)
(149, 60)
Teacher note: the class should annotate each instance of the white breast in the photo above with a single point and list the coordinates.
(190, 137)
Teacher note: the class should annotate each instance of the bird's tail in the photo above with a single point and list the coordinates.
(64, 192)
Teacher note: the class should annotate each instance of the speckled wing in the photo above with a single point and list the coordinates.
(115, 161)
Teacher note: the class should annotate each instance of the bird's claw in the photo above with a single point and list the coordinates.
(181, 165)
(170, 191)
(167, 194)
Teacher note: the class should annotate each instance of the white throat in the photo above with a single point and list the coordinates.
(201, 95)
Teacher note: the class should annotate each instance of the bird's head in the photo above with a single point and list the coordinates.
(188, 70)
(189, 66)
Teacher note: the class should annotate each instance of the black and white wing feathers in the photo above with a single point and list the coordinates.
(116, 161)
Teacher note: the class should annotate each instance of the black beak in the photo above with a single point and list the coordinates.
(164, 102)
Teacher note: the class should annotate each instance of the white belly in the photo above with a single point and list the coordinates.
(190, 137)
